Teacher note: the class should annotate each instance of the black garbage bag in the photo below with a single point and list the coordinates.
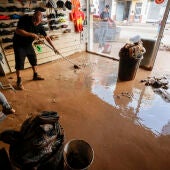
(10, 136)
(54, 162)
(40, 140)
(5, 163)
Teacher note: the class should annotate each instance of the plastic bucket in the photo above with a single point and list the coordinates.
(78, 155)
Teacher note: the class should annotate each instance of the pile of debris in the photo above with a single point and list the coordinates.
(159, 85)
(156, 82)
(134, 50)
(126, 94)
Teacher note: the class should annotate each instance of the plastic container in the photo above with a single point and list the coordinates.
(147, 62)
(128, 67)
(78, 155)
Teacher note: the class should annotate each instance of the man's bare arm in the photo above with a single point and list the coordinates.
(26, 34)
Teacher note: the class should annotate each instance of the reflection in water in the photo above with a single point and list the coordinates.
(143, 106)
(156, 116)
(105, 93)
(166, 129)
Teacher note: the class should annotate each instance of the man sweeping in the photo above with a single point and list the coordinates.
(28, 29)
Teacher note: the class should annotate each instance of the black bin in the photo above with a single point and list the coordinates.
(128, 67)
(146, 63)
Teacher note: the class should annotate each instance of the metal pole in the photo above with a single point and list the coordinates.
(160, 35)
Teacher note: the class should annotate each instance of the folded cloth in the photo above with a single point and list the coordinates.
(4, 17)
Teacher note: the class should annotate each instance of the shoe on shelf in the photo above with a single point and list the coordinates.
(8, 111)
(7, 40)
(39, 9)
(37, 77)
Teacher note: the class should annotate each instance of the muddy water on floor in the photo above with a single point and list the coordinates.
(135, 100)
(118, 143)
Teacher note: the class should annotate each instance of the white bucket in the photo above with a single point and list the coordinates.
(78, 155)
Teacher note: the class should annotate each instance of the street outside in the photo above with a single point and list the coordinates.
(146, 31)
(127, 31)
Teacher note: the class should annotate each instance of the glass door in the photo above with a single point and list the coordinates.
(113, 23)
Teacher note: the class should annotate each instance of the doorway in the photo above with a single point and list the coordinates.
(123, 27)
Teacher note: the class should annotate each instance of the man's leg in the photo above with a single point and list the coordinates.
(19, 81)
(19, 64)
(7, 109)
(105, 33)
(36, 76)
(101, 37)
(33, 61)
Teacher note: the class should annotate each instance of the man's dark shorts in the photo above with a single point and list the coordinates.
(21, 53)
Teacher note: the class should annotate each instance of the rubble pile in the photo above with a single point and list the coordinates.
(156, 82)
(165, 95)
(159, 85)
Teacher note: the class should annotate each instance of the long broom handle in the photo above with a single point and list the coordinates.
(58, 53)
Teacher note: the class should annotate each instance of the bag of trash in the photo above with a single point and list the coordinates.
(135, 50)
(5, 163)
(41, 138)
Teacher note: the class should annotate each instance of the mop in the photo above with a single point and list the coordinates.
(75, 66)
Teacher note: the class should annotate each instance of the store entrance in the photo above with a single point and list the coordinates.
(127, 21)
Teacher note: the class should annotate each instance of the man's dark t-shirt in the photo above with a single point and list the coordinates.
(25, 23)
(104, 16)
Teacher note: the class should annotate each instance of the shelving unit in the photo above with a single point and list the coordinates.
(66, 43)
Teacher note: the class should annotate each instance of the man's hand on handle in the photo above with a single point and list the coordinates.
(35, 36)
(56, 51)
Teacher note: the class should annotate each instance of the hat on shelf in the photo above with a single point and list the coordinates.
(51, 4)
(60, 4)
(68, 5)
